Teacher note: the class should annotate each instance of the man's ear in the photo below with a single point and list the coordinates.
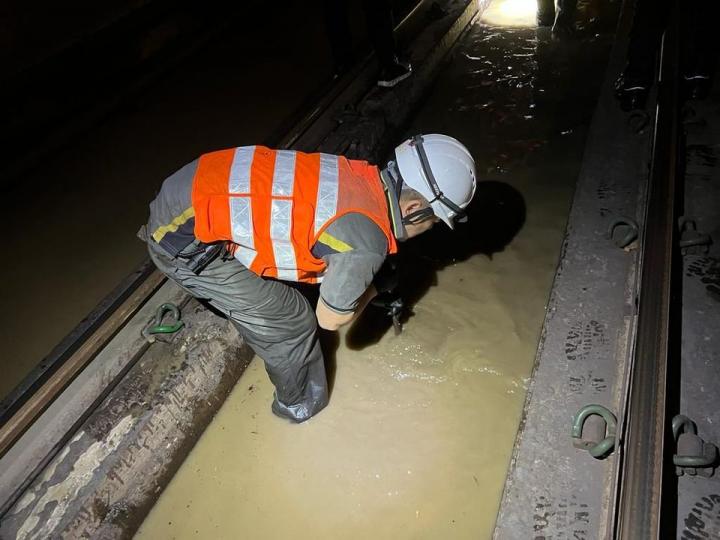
(412, 206)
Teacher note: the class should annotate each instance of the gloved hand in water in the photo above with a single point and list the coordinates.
(387, 278)
(386, 282)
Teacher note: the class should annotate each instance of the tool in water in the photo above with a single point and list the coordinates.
(395, 310)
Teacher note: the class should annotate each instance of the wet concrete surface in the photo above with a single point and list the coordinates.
(102, 481)
(417, 437)
(698, 514)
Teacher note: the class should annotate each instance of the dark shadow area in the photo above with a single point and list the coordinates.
(329, 343)
(69, 68)
(495, 216)
(75, 85)
(698, 50)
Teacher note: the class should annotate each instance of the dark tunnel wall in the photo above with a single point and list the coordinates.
(34, 30)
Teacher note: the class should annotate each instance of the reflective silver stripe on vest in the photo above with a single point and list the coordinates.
(280, 228)
(242, 229)
(327, 195)
(239, 181)
(284, 175)
(240, 208)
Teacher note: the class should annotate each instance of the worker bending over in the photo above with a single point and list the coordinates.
(233, 225)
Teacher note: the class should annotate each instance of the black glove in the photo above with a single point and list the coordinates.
(386, 282)
(387, 278)
(393, 306)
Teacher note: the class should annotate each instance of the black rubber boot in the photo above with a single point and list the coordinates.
(546, 13)
(564, 25)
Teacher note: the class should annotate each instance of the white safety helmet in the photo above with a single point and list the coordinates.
(442, 170)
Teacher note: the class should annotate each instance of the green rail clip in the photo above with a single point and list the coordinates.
(161, 328)
(603, 448)
(704, 454)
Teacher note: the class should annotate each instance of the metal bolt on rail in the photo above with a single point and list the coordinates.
(623, 231)
(692, 242)
(694, 456)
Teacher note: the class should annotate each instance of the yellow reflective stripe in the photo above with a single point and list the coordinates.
(173, 225)
(331, 241)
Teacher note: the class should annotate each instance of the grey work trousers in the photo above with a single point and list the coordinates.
(275, 320)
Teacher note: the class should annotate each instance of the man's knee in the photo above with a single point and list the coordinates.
(290, 325)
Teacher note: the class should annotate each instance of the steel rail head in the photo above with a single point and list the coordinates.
(644, 457)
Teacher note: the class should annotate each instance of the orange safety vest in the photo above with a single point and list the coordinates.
(274, 205)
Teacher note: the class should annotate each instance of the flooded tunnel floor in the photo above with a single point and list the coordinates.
(417, 437)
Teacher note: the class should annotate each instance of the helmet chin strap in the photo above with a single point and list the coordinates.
(418, 216)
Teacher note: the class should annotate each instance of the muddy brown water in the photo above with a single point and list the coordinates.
(417, 437)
